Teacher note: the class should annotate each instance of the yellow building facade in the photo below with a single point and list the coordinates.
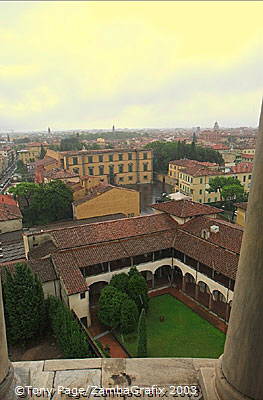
(31, 153)
(107, 200)
(193, 181)
(241, 213)
(121, 167)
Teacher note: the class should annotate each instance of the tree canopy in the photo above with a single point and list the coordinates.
(164, 152)
(230, 188)
(24, 304)
(43, 203)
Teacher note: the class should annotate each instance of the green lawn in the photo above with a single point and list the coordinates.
(182, 333)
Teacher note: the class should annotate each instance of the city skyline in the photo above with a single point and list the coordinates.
(136, 65)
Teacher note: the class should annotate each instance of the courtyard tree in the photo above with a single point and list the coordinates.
(24, 192)
(233, 193)
(129, 316)
(138, 290)
(120, 281)
(218, 183)
(110, 303)
(142, 336)
(24, 304)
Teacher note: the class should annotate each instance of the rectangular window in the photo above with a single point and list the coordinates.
(101, 169)
(200, 191)
(120, 168)
(91, 172)
(90, 159)
(121, 179)
(209, 200)
(130, 166)
(83, 295)
(201, 180)
(75, 160)
(200, 200)
(100, 158)
(145, 166)
(244, 178)
(120, 157)
(249, 176)
(129, 156)
(145, 156)
(130, 178)
(111, 157)
(145, 177)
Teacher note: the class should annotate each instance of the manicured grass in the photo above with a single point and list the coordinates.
(183, 333)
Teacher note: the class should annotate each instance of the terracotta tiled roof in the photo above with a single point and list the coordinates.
(242, 205)
(242, 167)
(185, 208)
(228, 237)
(191, 163)
(207, 253)
(70, 274)
(249, 156)
(45, 161)
(6, 199)
(42, 250)
(43, 268)
(198, 170)
(59, 173)
(112, 230)
(9, 212)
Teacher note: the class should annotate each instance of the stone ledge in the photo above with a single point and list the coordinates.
(74, 364)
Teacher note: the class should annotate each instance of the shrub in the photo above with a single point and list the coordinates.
(71, 339)
(129, 316)
(142, 336)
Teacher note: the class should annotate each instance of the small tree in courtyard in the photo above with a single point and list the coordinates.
(110, 302)
(24, 304)
(138, 290)
(129, 316)
(120, 281)
(142, 336)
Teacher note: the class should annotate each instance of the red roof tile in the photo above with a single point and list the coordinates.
(185, 208)
(9, 212)
(228, 237)
(242, 167)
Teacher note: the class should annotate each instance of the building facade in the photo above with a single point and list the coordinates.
(121, 166)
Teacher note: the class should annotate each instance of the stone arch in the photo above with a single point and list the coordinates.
(219, 304)
(148, 276)
(189, 282)
(95, 290)
(163, 276)
(178, 277)
(203, 293)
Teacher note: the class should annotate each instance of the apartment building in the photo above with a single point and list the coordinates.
(192, 178)
(120, 166)
(31, 152)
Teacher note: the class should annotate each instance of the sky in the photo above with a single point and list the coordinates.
(134, 64)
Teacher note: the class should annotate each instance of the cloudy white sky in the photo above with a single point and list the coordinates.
(135, 64)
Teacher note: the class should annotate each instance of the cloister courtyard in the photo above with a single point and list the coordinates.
(174, 330)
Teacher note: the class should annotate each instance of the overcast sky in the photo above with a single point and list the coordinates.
(133, 64)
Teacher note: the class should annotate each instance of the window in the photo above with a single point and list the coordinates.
(200, 200)
(201, 180)
(249, 176)
(90, 159)
(101, 169)
(209, 200)
(100, 158)
(145, 177)
(111, 157)
(82, 295)
(244, 178)
(145, 156)
(200, 191)
(129, 156)
(130, 178)
(76, 170)
(120, 157)
(121, 179)
(120, 168)
(91, 172)
(75, 160)
(145, 166)
(130, 166)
